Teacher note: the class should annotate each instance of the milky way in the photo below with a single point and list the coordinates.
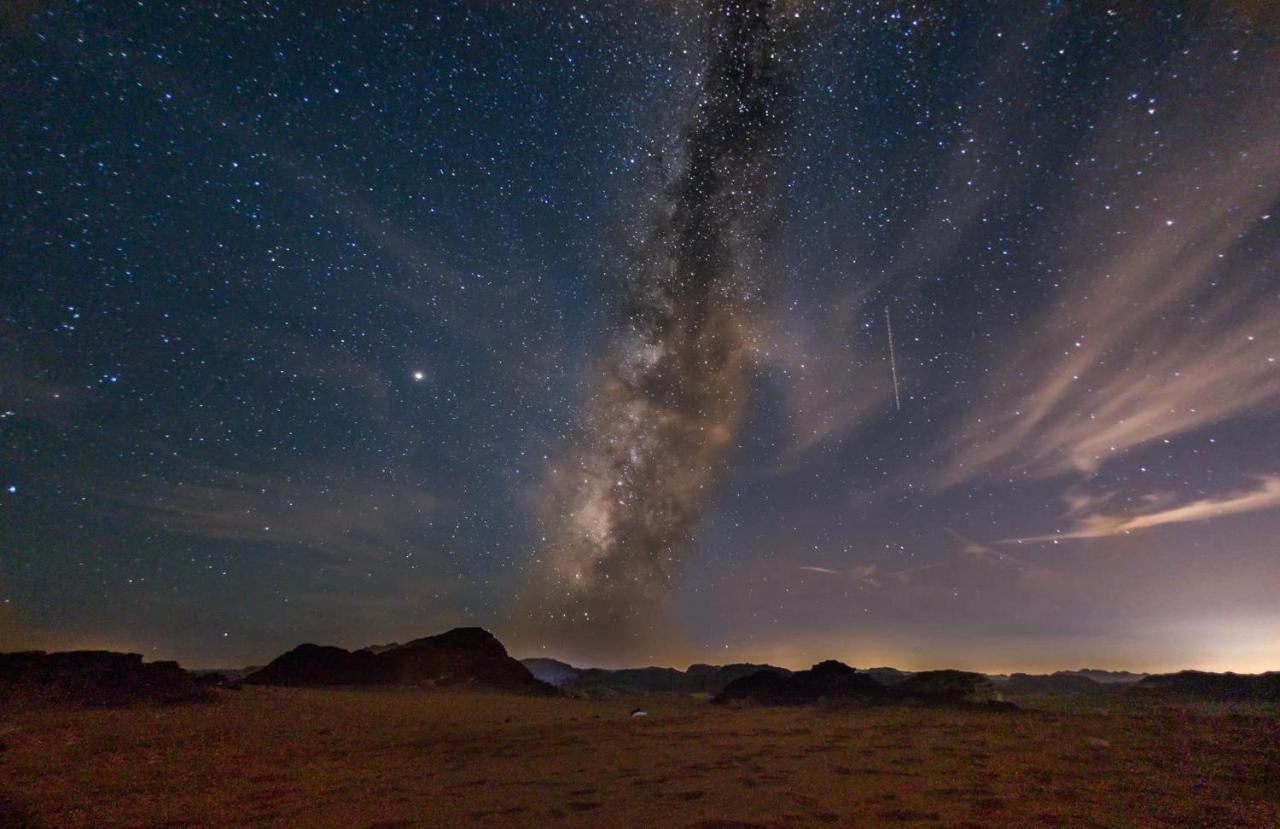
(572, 320)
(666, 409)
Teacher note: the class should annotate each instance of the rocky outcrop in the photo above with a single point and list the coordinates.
(602, 682)
(833, 681)
(950, 686)
(96, 678)
(469, 657)
(320, 665)
(712, 679)
(1104, 677)
(551, 671)
(463, 656)
(830, 680)
(1210, 687)
(887, 676)
(1056, 683)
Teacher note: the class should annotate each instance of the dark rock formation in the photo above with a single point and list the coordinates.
(598, 682)
(98, 678)
(1057, 683)
(836, 682)
(381, 648)
(1103, 676)
(1210, 687)
(601, 682)
(226, 677)
(887, 676)
(551, 671)
(463, 656)
(712, 679)
(460, 657)
(952, 686)
(830, 680)
(320, 665)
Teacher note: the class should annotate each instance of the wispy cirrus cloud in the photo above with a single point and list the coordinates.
(985, 553)
(331, 515)
(870, 574)
(1092, 518)
(1167, 323)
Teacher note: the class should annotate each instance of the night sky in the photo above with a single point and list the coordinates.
(573, 321)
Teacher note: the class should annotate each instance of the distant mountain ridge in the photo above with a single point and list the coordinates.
(699, 678)
(470, 657)
(712, 679)
(833, 681)
(1103, 676)
(551, 671)
(1200, 685)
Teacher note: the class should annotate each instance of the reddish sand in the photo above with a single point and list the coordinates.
(389, 758)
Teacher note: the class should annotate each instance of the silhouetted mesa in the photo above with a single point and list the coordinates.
(99, 678)
(834, 681)
(469, 657)
(1209, 687)
(602, 682)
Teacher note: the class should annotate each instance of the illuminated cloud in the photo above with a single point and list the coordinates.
(984, 553)
(1166, 325)
(1089, 522)
(330, 516)
(870, 575)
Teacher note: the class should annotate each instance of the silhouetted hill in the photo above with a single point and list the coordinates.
(835, 681)
(319, 665)
(1210, 687)
(949, 685)
(603, 682)
(826, 680)
(887, 676)
(551, 671)
(1058, 683)
(462, 656)
(1103, 676)
(712, 679)
(226, 675)
(95, 678)
(381, 648)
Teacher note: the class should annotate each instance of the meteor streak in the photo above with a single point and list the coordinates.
(893, 363)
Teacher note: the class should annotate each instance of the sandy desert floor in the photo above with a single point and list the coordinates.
(392, 758)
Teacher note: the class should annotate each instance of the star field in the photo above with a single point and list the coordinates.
(569, 320)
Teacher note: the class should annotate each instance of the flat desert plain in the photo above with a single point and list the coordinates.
(400, 758)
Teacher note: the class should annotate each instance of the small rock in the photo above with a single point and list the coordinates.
(639, 712)
(1098, 742)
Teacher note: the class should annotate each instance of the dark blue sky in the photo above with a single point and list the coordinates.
(569, 321)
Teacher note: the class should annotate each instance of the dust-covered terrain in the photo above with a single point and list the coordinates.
(268, 756)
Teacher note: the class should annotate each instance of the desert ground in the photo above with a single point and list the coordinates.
(412, 757)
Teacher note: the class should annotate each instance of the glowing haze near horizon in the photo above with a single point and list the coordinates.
(569, 320)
